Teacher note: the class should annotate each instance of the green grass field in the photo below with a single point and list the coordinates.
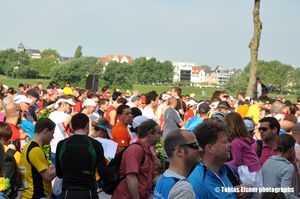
(201, 93)
(15, 82)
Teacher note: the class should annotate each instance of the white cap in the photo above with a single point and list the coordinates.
(69, 101)
(22, 98)
(138, 120)
(165, 96)
(191, 103)
(89, 102)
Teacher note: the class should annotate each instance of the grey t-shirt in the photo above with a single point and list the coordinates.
(181, 189)
(171, 120)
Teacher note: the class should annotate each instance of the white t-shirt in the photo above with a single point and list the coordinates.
(57, 117)
(149, 113)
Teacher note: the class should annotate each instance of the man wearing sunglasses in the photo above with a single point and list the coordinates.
(269, 129)
(183, 153)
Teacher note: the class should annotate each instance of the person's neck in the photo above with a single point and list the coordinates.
(80, 132)
(145, 141)
(284, 155)
(272, 143)
(149, 106)
(38, 139)
(212, 164)
(85, 111)
(179, 168)
(12, 120)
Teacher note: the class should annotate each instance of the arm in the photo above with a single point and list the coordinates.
(101, 162)
(287, 179)
(112, 115)
(132, 183)
(236, 153)
(57, 161)
(48, 174)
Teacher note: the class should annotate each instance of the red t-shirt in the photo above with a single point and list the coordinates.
(77, 107)
(15, 135)
(132, 162)
(110, 108)
(15, 132)
(189, 114)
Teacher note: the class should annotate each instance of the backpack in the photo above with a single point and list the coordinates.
(114, 172)
(259, 145)
(10, 171)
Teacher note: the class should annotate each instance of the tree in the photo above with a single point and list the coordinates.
(50, 53)
(10, 60)
(43, 66)
(273, 74)
(78, 52)
(119, 74)
(254, 45)
(76, 70)
(151, 71)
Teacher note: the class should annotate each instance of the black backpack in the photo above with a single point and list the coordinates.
(10, 171)
(259, 144)
(114, 172)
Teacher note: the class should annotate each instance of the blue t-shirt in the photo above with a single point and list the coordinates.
(193, 122)
(208, 184)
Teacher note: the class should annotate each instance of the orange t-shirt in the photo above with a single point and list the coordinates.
(243, 110)
(121, 135)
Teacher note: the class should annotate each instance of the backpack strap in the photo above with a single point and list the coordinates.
(10, 152)
(143, 159)
(259, 144)
(232, 177)
(62, 130)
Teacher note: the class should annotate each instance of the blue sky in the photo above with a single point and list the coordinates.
(211, 32)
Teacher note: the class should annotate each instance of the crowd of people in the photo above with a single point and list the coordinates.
(225, 147)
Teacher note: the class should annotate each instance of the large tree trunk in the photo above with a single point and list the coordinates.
(254, 45)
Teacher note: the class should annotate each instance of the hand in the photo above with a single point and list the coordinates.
(240, 194)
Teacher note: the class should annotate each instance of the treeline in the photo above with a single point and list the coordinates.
(141, 71)
(277, 76)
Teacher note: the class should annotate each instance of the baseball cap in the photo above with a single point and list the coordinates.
(89, 102)
(165, 96)
(219, 116)
(22, 99)
(137, 121)
(203, 108)
(191, 103)
(68, 91)
(249, 125)
(69, 101)
(135, 98)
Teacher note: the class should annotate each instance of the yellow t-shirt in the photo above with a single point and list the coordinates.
(33, 182)
(253, 112)
(17, 155)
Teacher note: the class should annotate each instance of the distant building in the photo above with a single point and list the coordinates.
(198, 76)
(118, 58)
(182, 71)
(32, 53)
(64, 59)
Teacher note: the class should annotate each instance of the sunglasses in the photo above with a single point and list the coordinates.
(262, 128)
(194, 145)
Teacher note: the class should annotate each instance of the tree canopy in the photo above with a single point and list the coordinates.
(78, 52)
